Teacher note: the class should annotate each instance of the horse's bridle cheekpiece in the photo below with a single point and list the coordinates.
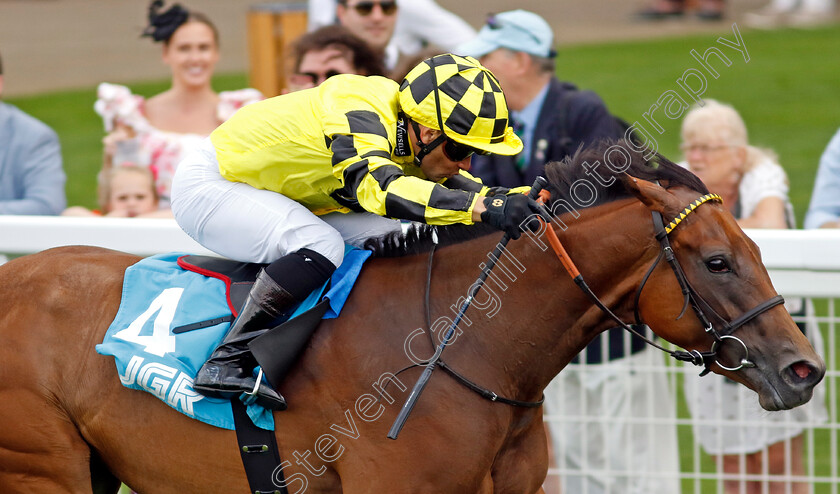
(691, 296)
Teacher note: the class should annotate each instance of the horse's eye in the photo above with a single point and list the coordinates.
(718, 265)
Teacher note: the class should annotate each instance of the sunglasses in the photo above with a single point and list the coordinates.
(455, 151)
(495, 24)
(366, 8)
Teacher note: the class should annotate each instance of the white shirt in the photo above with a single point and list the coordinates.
(766, 179)
(419, 22)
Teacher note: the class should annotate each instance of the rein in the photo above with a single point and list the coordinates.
(689, 293)
(483, 392)
(433, 362)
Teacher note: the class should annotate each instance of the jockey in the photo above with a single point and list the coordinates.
(288, 180)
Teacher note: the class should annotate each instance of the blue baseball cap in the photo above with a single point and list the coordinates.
(516, 30)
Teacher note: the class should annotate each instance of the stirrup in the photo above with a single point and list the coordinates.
(253, 396)
(256, 385)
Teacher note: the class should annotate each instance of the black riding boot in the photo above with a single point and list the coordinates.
(229, 370)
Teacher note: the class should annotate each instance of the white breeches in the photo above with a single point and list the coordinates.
(240, 222)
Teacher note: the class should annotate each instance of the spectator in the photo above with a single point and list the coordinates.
(755, 188)
(791, 13)
(373, 21)
(824, 211)
(709, 10)
(419, 23)
(158, 131)
(31, 174)
(126, 191)
(329, 51)
(405, 64)
(553, 119)
(749, 179)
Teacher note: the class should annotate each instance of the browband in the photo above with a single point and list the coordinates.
(691, 207)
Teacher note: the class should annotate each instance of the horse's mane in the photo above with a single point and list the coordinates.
(608, 159)
(421, 238)
(562, 175)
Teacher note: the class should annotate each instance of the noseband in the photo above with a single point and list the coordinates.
(690, 295)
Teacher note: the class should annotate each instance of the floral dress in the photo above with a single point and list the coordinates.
(159, 150)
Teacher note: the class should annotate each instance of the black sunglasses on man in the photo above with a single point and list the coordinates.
(365, 8)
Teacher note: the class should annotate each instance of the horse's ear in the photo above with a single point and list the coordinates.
(654, 196)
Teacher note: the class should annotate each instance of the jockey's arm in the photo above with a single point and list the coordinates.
(362, 161)
(477, 210)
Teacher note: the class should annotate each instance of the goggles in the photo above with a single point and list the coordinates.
(364, 9)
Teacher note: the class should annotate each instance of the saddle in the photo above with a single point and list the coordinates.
(240, 275)
(176, 308)
(278, 348)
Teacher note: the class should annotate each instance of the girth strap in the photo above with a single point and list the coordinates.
(260, 456)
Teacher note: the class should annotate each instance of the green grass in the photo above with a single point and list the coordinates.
(787, 93)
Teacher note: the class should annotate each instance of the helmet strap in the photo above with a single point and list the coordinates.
(428, 148)
(424, 148)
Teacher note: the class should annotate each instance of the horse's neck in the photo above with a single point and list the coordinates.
(530, 319)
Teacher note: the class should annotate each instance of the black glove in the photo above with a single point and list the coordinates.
(498, 191)
(507, 213)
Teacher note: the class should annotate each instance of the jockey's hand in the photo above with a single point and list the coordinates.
(508, 213)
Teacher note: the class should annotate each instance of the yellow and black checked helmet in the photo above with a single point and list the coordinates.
(461, 98)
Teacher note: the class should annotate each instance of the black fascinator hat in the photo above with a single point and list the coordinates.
(163, 24)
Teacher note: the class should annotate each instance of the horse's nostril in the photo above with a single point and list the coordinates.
(801, 369)
(803, 373)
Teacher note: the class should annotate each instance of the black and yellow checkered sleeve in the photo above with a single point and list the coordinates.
(360, 129)
(381, 186)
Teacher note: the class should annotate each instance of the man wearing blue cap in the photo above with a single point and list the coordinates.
(621, 400)
(552, 118)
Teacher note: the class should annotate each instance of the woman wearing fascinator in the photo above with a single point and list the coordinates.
(157, 131)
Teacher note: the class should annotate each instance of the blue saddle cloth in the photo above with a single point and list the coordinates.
(158, 296)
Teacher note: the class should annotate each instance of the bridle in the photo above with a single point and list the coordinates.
(698, 304)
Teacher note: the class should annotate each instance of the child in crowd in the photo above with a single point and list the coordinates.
(126, 191)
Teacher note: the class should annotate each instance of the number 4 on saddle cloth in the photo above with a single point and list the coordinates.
(176, 308)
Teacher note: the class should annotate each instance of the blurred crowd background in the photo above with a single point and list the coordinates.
(62, 44)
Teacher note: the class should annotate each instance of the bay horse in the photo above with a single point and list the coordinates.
(69, 426)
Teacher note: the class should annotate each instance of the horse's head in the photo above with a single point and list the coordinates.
(707, 291)
(730, 310)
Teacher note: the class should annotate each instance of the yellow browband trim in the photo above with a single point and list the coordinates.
(691, 207)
